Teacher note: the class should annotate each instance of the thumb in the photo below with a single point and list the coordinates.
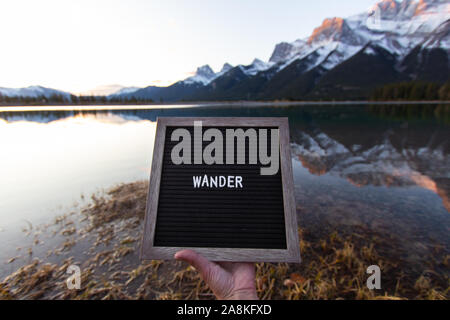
(200, 263)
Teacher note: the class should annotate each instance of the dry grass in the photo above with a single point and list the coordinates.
(334, 264)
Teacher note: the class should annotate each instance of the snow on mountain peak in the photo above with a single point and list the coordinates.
(203, 75)
(335, 29)
(395, 11)
(205, 71)
(282, 52)
(331, 28)
(410, 18)
(256, 66)
(206, 75)
(226, 67)
(396, 26)
(388, 8)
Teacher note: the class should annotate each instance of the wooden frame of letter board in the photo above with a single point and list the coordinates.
(291, 254)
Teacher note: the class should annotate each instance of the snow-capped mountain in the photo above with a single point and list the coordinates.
(33, 92)
(204, 75)
(343, 58)
(255, 67)
(226, 67)
(397, 27)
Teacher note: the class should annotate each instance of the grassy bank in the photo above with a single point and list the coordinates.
(104, 239)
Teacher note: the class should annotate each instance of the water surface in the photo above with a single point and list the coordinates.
(378, 170)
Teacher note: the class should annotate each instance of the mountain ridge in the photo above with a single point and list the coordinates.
(394, 41)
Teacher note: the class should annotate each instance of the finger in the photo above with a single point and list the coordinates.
(199, 262)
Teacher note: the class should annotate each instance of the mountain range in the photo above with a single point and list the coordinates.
(343, 58)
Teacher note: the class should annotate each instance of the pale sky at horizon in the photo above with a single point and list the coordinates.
(79, 45)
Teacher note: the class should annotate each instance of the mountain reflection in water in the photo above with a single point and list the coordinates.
(383, 178)
(391, 159)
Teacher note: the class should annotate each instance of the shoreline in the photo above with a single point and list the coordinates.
(200, 104)
(104, 240)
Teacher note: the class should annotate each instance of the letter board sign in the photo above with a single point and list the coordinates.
(224, 188)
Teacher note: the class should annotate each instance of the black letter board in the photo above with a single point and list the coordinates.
(236, 206)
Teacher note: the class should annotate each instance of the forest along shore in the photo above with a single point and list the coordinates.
(103, 239)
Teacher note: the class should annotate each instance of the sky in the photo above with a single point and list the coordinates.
(80, 45)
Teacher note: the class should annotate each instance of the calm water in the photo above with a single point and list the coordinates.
(380, 169)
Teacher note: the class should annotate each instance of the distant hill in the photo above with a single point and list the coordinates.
(33, 92)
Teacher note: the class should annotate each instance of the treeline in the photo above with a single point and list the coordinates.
(412, 91)
(70, 100)
(402, 112)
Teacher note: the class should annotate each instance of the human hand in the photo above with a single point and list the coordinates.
(228, 280)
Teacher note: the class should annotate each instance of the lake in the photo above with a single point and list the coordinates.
(381, 171)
